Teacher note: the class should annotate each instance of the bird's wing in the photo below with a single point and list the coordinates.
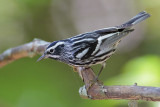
(82, 46)
(89, 44)
(110, 37)
(102, 41)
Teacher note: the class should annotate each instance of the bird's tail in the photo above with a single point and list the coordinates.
(136, 19)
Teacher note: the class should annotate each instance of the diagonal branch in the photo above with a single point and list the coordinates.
(93, 90)
(30, 49)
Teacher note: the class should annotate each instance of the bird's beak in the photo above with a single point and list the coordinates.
(42, 57)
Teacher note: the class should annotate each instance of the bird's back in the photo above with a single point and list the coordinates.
(96, 47)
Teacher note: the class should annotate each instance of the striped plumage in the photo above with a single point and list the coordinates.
(93, 47)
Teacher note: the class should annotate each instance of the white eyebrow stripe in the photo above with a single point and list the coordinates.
(57, 44)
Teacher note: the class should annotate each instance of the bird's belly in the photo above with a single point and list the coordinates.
(90, 61)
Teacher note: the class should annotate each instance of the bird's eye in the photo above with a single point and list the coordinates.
(51, 50)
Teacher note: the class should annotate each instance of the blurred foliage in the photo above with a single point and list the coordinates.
(147, 67)
(25, 83)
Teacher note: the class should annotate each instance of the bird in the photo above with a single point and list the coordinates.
(91, 48)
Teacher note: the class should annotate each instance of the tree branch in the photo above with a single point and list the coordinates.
(93, 90)
(30, 49)
(97, 91)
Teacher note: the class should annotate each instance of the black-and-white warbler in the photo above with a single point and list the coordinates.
(93, 47)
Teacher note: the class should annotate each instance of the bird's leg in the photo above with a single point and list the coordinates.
(103, 65)
(79, 70)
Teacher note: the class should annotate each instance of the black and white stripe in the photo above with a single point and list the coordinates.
(93, 47)
(97, 48)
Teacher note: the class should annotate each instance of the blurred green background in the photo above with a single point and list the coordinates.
(25, 83)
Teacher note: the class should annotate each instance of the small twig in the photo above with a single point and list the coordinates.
(135, 84)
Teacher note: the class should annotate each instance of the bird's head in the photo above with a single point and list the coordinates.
(53, 51)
